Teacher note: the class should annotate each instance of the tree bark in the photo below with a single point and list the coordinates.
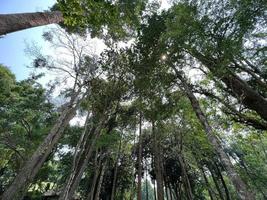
(21, 182)
(214, 178)
(187, 184)
(158, 171)
(91, 193)
(239, 184)
(15, 22)
(139, 184)
(81, 162)
(227, 193)
(238, 87)
(113, 191)
(207, 183)
(154, 189)
(101, 176)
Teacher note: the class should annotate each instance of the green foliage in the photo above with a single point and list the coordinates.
(219, 38)
(116, 17)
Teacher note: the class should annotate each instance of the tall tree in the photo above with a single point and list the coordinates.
(78, 16)
(239, 184)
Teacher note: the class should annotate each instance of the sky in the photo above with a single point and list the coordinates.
(12, 46)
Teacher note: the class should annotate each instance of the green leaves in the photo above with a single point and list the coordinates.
(115, 17)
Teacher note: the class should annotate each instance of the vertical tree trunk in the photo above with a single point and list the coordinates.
(15, 22)
(158, 171)
(81, 162)
(146, 189)
(91, 193)
(165, 181)
(170, 191)
(139, 185)
(187, 184)
(227, 194)
(21, 182)
(113, 191)
(240, 186)
(166, 192)
(207, 183)
(154, 189)
(100, 181)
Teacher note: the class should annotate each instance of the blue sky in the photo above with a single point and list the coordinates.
(12, 46)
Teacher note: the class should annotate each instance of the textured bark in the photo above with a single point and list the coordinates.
(93, 185)
(91, 193)
(26, 175)
(207, 183)
(246, 95)
(154, 189)
(81, 162)
(214, 178)
(238, 87)
(139, 184)
(158, 171)
(146, 189)
(170, 191)
(239, 184)
(227, 193)
(237, 116)
(113, 191)
(101, 176)
(15, 22)
(187, 184)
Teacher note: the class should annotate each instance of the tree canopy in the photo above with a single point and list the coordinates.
(174, 107)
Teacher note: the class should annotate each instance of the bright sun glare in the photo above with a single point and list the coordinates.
(164, 57)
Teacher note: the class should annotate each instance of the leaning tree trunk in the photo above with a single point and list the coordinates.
(239, 184)
(26, 175)
(158, 171)
(206, 182)
(218, 187)
(81, 162)
(139, 185)
(227, 193)
(15, 22)
(238, 87)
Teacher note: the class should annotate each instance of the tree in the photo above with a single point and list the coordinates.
(78, 16)
(199, 137)
(219, 47)
(75, 94)
(15, 22)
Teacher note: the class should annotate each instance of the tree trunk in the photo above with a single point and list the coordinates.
(91, 193)
(113, 191)
(187, 184)
(227, 194)
(238, 87)
(15, 22)
(170, 191)
(207, 183)
(216, 184)
(139, 185)
(146, 189)
(158, 171)
(81, 162)
(240, 186)
(21, 182)
(101, 176)
(154, 189)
